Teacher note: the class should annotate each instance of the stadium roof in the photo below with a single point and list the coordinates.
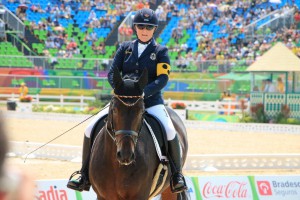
(278, 58)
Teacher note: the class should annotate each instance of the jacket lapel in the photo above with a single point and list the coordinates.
(149, 49)
(135, 49)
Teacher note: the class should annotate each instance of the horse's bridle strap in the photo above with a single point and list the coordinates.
(126, 132)
(129, 97)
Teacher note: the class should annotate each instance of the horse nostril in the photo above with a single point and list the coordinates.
(133, 156)
(119, 155)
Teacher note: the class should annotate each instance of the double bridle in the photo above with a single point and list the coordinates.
(126, 133)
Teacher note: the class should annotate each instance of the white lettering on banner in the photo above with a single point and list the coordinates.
(233, 189)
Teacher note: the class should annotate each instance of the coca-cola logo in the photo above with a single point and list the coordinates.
(233, 189)
(264, 187)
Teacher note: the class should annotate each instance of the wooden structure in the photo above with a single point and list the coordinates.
(278, 62)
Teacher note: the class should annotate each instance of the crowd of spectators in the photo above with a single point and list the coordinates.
(233, 18)
(57, 38)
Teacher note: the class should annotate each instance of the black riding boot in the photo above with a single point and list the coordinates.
(177, 181)
(82, 183)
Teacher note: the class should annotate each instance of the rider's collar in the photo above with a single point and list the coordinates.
(144, 43)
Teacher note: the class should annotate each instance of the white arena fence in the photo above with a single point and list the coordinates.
(193, 124)
(228, 107)
(207, 162)
(225, 106)
(60, 100)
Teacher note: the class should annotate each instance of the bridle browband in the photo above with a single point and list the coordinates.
(129, 97)
(125, 133)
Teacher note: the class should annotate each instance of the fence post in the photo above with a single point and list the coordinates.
(229, 107)
(218, 107)
(81, 101)
(61, 100)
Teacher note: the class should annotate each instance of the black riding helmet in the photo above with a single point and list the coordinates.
(145, 16)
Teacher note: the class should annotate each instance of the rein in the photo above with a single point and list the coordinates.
(61, 134)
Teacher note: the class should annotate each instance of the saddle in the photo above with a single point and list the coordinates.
(159, 132)
(156, 126)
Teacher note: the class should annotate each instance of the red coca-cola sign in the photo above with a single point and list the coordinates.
(231, 190)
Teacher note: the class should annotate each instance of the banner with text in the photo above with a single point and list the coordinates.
(199, 188)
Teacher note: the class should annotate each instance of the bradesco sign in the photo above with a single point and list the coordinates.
(221, 187)
(277, 187)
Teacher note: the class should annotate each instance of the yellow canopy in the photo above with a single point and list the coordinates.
(278, 59)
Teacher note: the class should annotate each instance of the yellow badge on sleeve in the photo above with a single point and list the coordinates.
(163, 68)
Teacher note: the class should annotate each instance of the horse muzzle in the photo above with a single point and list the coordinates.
(126, 141)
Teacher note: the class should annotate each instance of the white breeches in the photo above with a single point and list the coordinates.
(158, 111)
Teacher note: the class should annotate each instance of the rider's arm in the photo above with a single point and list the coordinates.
(162, 72)
(117, 63)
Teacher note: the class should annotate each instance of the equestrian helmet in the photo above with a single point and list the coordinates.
(145, 16)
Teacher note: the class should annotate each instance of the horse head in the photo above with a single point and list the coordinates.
(125, 118)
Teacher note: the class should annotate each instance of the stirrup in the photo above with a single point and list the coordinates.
(80, 183)
(74, 174)
(181, 182)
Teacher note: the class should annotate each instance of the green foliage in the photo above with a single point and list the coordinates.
(247, 119)
(293, 121)
(211, 96)
(69, 110)
(97, 104)
(258, 116)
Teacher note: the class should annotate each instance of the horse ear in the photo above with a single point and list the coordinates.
(118, 81)
(143, 80)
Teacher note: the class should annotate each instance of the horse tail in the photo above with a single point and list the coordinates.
(185, 195)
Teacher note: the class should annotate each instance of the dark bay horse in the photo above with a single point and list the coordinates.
(123, 158)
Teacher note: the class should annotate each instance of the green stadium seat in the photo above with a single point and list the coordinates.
(52, 83)
(75, 83)
(45, 83)
(14, 82)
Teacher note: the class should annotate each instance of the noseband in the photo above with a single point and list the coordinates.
(126, 133)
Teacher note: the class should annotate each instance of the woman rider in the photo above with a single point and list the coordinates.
(131, 58)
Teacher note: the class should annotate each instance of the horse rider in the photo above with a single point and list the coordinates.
(131, 58)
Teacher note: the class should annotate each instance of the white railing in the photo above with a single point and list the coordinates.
(225, 107)
(60, 100)
(206, 162)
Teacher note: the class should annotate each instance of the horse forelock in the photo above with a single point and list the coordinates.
(128, 88)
